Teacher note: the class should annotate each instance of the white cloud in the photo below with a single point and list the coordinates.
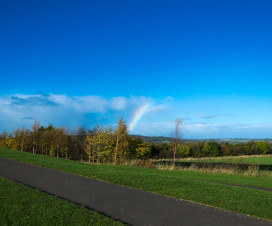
(94, 104)
(169, 99)
(18, 110)
(159, 108)
(215, 116)
(205, 130)
(62, 110)
(118, 103)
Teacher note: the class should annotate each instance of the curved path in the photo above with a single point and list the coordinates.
(128, 205)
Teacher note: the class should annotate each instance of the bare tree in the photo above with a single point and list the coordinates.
(176, 137)
(35, 136)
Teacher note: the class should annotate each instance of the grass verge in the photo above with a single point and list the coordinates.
(22, 205)
(188, 185)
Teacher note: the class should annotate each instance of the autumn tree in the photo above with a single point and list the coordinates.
(143, 152)
(121, 136)
(99, 144)
(60, 141)
(2, 139)
(20, 136)
(47, 139)
(65, 143)
(225, 148)
(81, 135)
(133, 144)
(89, 147)
(7, 140)
(75, 146)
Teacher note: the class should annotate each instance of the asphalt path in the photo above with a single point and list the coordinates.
(128, 205)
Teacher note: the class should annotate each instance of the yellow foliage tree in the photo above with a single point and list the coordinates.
(143, 152)
(99, 145)
(121, 144)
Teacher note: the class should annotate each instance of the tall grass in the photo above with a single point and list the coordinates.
(253, 169)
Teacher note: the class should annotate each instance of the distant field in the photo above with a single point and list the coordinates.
(22, 205)
(263, 159)
(159, 140)
(189, 185)
(260, 160)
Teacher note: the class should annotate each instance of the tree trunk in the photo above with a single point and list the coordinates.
(33, 148)
(174, 157)
(116, 148)
(175, 150)
(22, 145)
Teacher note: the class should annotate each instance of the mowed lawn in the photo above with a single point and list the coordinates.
(22, 205)
(188, 185)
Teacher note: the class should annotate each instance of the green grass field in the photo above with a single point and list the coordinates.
(188, 185)
(265, 160)
(22, 205)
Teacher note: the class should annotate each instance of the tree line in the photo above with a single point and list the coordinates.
(100, 144)
(104, 144)
(209, 149)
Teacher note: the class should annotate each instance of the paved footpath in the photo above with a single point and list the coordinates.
(128, 205)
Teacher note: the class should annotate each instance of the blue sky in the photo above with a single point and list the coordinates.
(89, 62)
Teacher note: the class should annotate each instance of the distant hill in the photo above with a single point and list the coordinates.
(161, 139)
(157, 140)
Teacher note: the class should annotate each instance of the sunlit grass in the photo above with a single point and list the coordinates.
(22, 205)
(189, 185)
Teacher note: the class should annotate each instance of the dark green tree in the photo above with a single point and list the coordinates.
(263, 146)
(211, 148)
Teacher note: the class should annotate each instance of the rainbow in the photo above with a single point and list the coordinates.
(138, 114)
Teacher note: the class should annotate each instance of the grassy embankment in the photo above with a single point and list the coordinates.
(22, 205)
(188, 185)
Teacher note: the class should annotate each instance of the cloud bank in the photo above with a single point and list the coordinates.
(18, 110)
(144, 115)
